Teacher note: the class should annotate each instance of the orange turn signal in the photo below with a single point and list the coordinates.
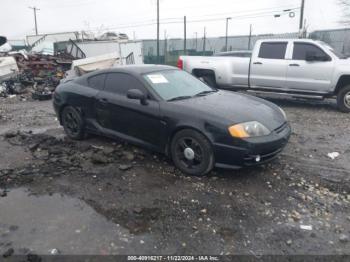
(238, 131)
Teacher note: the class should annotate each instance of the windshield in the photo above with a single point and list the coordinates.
(336, 53)
(176, 85)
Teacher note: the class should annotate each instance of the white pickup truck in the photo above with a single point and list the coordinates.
(295, 67)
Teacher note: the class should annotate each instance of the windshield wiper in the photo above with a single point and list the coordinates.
(179, 98)
(206, 92)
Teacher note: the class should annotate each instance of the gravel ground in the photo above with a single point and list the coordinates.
(100, 196)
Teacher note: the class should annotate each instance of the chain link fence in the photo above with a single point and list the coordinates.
(171, 49)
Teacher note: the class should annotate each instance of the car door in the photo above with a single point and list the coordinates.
(309, 75)
(126, 116)
(268, 67)
(99, 107)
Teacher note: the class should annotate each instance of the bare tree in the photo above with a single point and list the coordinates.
(345, 6)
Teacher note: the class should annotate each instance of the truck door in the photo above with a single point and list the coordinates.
(310, 69)
(269, 66)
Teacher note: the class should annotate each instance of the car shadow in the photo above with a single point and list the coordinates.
(327, 104)
(239, 174)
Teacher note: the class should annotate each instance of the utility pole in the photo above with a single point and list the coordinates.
(226, 46)
(165, 46)
(36, 25)
(158, 32)
(302, 7)
(204, 40)
(250, 36)
(196, 41)
(185, 48)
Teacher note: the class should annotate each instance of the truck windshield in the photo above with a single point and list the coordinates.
(177, 85)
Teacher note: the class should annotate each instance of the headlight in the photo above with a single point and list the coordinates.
(248, 129)
(283, 113)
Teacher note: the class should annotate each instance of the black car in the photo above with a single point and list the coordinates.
(170, 111)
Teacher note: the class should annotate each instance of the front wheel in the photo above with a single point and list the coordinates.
(192, 153)
(343, 99)
(73, 123)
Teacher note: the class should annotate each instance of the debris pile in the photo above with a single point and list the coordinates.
(38, 75)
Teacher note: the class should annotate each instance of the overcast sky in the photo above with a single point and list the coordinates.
(136, 16)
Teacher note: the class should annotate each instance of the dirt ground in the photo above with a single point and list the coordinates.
(100, 196)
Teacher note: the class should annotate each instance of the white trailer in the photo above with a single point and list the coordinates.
(129, 52)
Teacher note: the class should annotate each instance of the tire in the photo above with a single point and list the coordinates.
(343, 99)
(192, 153)
(209, 80)
(73, 123)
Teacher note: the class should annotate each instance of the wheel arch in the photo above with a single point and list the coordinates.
(343, 81)
(197, 72)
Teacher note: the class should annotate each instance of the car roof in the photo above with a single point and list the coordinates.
(138, 69)
(287, 40)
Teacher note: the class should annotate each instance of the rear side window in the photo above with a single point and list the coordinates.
(97, 81)
(273, 50)
(301, 49)
(120, 83)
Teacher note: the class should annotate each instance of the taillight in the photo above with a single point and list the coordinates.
(180, 64)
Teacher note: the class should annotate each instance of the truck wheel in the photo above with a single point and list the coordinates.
(343, 99)
(209, 80)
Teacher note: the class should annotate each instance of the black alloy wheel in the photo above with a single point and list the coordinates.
(73, 123)
(192, 153)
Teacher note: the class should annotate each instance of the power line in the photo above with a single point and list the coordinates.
(277, 8)
(180, 20)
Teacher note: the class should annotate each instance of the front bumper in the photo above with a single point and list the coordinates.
(253, 151)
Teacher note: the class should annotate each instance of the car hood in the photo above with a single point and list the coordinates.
(233, 108)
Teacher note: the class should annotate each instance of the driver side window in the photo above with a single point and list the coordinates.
(120, 83)
(301, 50)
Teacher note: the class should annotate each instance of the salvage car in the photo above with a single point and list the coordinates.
(170, 111)
(298, 68)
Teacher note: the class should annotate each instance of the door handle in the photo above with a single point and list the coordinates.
(257, 63)
(294, 65)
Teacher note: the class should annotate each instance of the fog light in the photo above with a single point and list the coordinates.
(257, 158)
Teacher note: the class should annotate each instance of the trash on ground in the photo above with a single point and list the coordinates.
(333, 155)
(306, 227)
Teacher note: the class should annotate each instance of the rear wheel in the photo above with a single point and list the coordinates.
(192, 153)
(73, 123)
(343, 99)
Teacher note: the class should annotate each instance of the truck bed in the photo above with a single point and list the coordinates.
(229, 71)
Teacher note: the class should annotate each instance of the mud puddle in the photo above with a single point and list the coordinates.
(47, 224)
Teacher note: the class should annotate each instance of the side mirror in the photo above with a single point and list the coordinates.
(137, 94)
